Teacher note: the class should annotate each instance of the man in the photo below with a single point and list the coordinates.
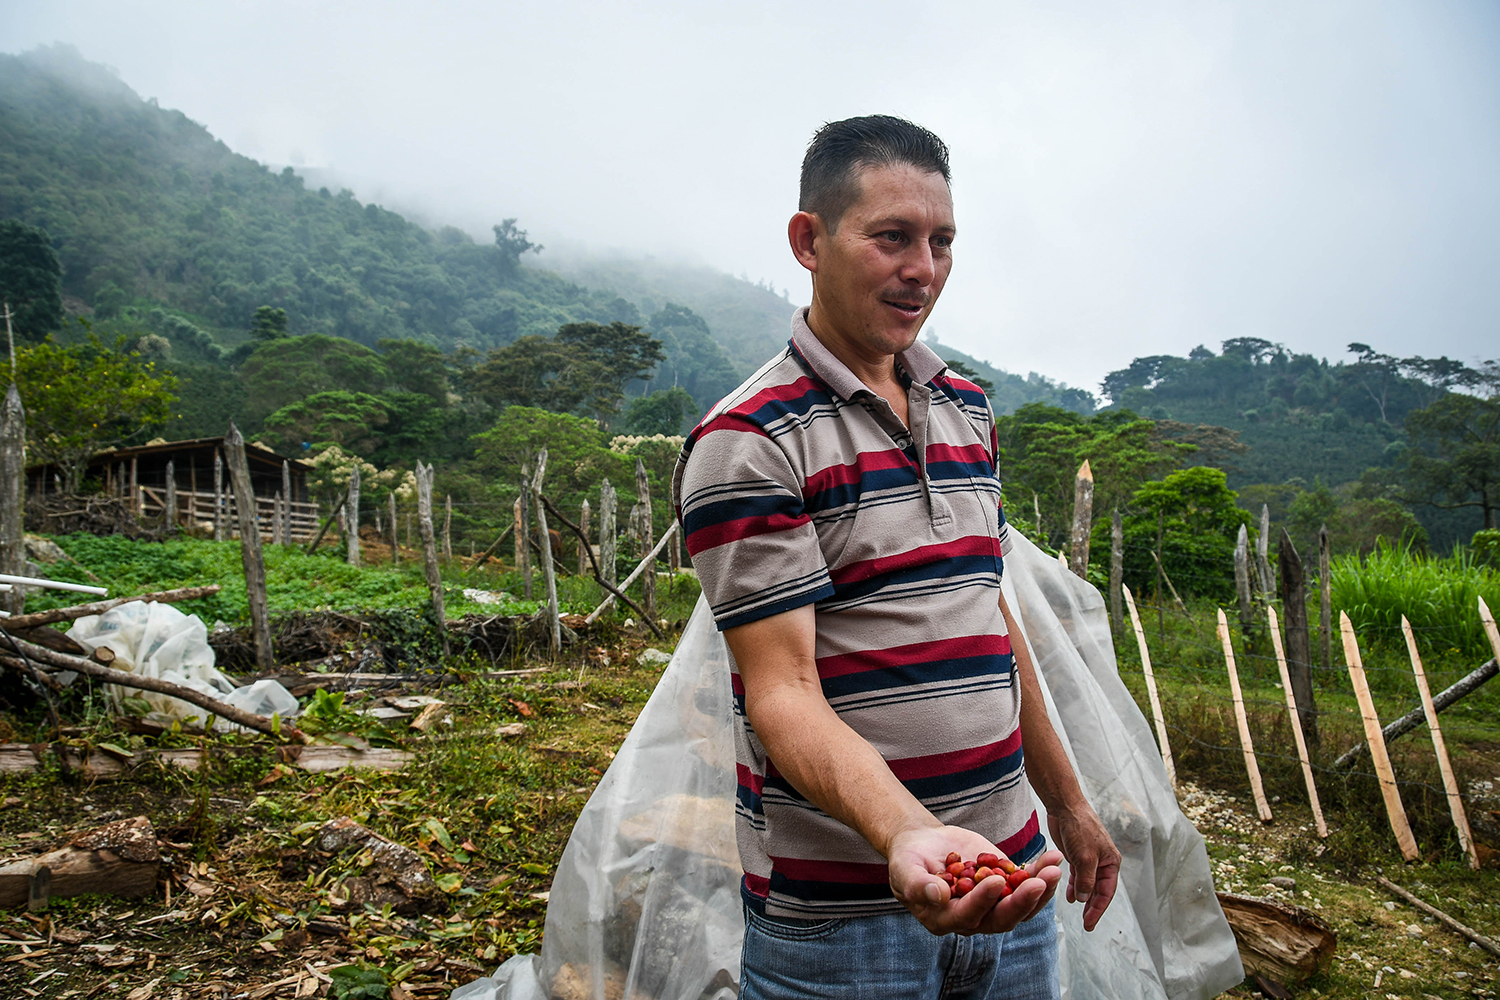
(843, 512)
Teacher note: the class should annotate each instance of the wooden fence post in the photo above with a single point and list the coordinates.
(1036, 509)
(447, 527)
(1298, 646)
(647, 538)
(395, 531)
(1246, 743)
(429, 551)
(607, 553)
(1083, 521)
(674, 555)
(219, 511)
(1325, 595)
(13, 497)
(286, 502)
(1242, 580)
(1161, 722)
(351, 512)
(549, 573)
(1263, 556)
(583, 527)
(1376, 739)
(1292, 714)
(135, 485)
(170, 513)
(250, 555)
(1116, 571)
(523, 532)
(1450, 783)
(1488, 620)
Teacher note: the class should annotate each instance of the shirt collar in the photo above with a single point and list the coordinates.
(919, 361)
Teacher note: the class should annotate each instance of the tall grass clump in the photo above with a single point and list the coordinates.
(1438, 595)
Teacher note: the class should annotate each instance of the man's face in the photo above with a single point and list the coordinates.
(877, 277)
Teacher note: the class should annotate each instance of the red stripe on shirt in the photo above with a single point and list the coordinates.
(1018, 841)
(916, 652)
(954, 761)
(972, 545)
(724, 532)
(849, 872)
(843, 475)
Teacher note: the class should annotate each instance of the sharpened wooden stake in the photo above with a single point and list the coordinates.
(250, 554)
(1161, 723)
(1296, 720)
(549, 573)
(1376, 739)
(1450, 783)
(1489, 628)
(1083, 521)
(1261, 805)
(429, 552)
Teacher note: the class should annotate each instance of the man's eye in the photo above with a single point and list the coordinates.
(942, 242)
(893, 236)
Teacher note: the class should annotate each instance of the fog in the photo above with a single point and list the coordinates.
(1127, 181)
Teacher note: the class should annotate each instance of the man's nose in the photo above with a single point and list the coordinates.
(918, 267)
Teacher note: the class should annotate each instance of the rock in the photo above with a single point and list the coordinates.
(1414, 930)
(511, 729)
(1282, 882)
(653, 658)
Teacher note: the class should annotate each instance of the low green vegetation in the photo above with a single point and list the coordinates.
(1438, 595)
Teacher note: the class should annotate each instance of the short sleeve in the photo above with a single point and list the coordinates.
(753, 543)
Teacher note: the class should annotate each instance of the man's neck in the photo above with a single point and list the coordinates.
(876, 371)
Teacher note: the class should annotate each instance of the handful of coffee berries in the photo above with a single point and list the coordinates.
(962, 876)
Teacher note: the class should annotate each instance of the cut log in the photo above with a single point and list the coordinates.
(117, 859)
(1283, 942)
(23, 758)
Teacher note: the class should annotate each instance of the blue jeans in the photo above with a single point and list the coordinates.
(895, 958)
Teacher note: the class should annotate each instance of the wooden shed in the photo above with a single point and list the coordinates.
(142, 474)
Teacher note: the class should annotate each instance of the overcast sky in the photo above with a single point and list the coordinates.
(1129, 178)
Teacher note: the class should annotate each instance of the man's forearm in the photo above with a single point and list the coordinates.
(834, 767)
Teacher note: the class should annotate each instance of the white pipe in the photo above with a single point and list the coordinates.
(31, 581)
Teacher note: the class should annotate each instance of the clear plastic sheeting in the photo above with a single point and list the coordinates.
(645, 902)
(157, 640)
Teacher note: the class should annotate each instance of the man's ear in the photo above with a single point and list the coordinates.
(804, 232)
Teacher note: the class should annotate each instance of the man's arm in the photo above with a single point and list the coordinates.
(1076, 829)
(840, 772)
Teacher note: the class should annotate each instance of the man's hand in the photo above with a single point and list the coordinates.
(916, 856)
(1093, 859)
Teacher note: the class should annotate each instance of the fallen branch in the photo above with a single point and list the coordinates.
(99, 607)
(109, 675)
(599, 574)
(328, 523)
(493, 545)
(1432, 911)
(118, 859)
(1416, 716)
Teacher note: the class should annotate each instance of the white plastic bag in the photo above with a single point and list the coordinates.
(646, 904)
(158, 640)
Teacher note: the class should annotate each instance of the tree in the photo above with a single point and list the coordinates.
(694, 360)
(965, 372)
(351, 420)
(268, 324)
(512, 243)
(1453, 460)
(578, 453)
(86, 398)
(30, 280)
(285, 370)
(662, 412)
(1193, 513)
(584, 369)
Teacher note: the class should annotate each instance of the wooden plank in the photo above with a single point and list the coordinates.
(1292, 715)
(1156, 713)
(1262, 807)
(1450, 783)
(1388, 790)
(1488, 620)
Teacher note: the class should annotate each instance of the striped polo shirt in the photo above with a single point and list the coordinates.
(803, 487)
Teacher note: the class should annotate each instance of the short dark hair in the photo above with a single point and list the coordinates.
(830, 170)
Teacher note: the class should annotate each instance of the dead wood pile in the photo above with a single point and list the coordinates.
(385, 641)
(69, 514)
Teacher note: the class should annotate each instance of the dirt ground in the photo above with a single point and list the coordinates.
(248, 906)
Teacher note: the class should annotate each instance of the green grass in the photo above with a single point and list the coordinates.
(1438, 595)
(296, 581)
